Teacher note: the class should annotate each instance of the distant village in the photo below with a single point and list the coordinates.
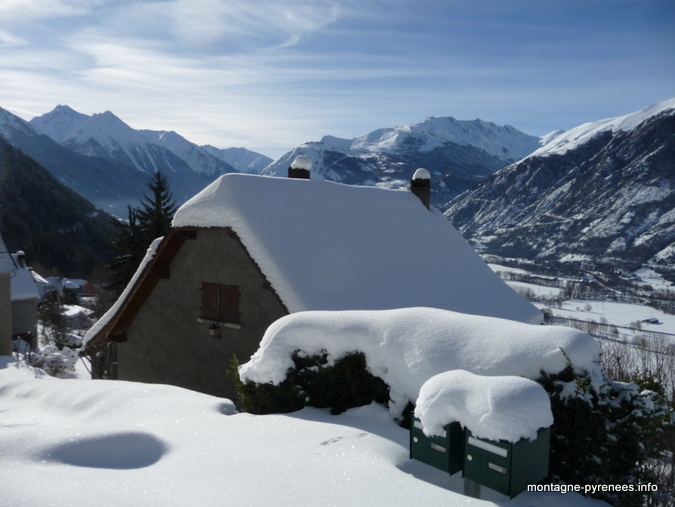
(24, 292)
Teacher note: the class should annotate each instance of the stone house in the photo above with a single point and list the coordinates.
(248, 250)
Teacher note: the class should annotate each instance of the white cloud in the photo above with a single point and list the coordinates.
(8, 40)
(263, 23)
(41, 9)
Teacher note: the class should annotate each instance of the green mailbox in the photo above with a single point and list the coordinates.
(445, 452)
(506, 467)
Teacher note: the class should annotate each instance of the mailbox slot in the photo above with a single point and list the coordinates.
(505, 467)
(444, 452)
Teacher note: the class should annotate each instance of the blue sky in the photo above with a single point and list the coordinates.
(271, 74)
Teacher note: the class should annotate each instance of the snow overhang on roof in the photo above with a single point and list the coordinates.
(328, 246)
(22, 285)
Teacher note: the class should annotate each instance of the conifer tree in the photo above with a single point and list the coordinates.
(157, 210)
(151, 220)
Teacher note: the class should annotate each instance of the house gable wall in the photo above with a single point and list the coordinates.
(24, 318)
(167, 344)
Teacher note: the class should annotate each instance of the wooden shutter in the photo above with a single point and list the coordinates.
(210, 307)
(229, 303)
(219, 302)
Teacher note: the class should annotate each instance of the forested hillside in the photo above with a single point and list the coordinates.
(60, 231)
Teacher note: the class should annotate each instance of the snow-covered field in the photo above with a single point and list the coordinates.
(619, 314)
(111, 443)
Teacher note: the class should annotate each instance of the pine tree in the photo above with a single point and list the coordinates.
(157, 210)
(151, 220)
(128, 249)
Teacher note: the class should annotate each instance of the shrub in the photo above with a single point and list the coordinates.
(54, 361)
(603, 436)
(311, 382)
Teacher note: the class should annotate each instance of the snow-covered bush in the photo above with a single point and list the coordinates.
(55, 361)
(603, 434)
(345, 384)
(406, 347)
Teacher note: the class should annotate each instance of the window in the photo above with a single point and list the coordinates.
(219, 302)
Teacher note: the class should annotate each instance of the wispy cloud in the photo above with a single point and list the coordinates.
(272, 74)
(42, 9)
(8, 40)
(277, 23)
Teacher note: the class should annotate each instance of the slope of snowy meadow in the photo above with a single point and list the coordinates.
(112, 443)
(618, 314)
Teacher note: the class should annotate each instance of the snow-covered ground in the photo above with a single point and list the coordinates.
(618, 314)
(111, 443)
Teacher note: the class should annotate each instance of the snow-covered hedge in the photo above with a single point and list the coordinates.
(604, 434)
(406, 347)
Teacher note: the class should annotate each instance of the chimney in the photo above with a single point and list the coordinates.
(21, 258)
(420, 185)
(300, 168)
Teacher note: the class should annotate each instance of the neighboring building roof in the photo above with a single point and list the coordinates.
(22, 284)
(42, 284)
(328, 246)
(74, 283)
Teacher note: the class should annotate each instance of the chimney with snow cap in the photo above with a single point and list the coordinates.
(420, 185)
(21, 258)
(300, 168)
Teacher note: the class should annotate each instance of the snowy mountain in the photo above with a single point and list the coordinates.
(457, 153)
(105, 182)
(108, 162)
(243, 160)
(105, 135)
(604, 190)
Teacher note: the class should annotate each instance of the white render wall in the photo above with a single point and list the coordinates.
(5, 315)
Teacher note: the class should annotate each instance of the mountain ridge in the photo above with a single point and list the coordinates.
(104, 134)
(604, 191)
(389, 156)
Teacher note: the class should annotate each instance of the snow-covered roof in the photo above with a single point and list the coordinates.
(497, 408)
(22, 284)
(117, 306)
(328, 246)
(407, 347)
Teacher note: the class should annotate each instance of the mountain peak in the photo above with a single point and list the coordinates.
(65, 109)
(109, 118)
(60, 123)
(573, 138)
(506, 143)
(457, 154)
